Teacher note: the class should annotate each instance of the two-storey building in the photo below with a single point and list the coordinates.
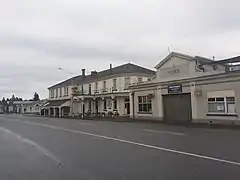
(189, 89)
(99, 93)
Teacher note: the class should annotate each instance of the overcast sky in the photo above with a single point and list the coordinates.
(38, 36)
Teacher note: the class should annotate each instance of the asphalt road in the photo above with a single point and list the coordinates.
(65, 149)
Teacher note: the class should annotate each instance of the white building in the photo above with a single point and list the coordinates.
(190, 89)
(100, 93)
(28, 107)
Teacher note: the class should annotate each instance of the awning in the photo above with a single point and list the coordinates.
(55, 103)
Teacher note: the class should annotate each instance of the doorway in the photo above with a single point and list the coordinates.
(127, 105)
(177, 108)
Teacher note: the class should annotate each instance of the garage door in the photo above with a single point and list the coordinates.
(177, 108)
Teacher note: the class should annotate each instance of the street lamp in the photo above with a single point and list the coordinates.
(72, 83)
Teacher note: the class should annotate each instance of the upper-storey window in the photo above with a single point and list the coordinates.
(114, 84)
(96, 86)
(52, 93)
(89, 89)
(127, 82)
(60, 93)
(140, 79)
(56, 92)
(104, 85)
(65, 91)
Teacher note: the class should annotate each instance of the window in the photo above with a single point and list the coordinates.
(104, 85)
(105, 104)
(52, 93)
(96, 86)
(30, 108)
(115, 103)
(224, 105)
(149, 79)
(144, 104)
(114, 84)
(56, 92)
(65, 91)
(139, 79)
(89, 89)
(90, 105)
(60, 95)
(127, 82)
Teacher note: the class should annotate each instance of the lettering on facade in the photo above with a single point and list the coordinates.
(174, 71)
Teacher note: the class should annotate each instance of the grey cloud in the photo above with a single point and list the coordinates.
(38, 36)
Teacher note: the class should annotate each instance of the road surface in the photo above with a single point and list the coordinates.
(65, 149)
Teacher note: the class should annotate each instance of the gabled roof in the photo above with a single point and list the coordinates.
(183, 56)
(125, 68)
(173, 54)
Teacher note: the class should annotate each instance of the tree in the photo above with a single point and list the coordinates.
(36, 97)
(20, 99)
(8, 99)
(3, 99)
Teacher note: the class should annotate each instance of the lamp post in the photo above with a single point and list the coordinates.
(71, 84)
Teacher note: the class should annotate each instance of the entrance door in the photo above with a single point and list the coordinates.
(127, 105)
(177, 108)
(96, 106)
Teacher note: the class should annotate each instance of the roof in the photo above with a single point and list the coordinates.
(225, 61)
(125, 68)
(55, 103)
(26, 102)
(183, 56)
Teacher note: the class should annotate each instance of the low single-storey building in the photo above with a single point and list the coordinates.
(28, 107)
(189, 89)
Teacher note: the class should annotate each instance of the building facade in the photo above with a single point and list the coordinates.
(99, 93)
(28, 107)
(188, 89)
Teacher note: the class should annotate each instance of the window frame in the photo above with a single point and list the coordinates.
(104, 84)
(60, 92)
(225, 101)
(140, 79)
(115, 104)
(114, 83)
(144, 104)
(127, 82)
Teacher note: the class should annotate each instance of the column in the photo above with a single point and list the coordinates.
(157, 107)
(54, 112)
(193, 100)
(131, 94)
(60, 112)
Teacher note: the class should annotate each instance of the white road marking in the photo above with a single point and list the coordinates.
(31, 143)
(164, 132)
(85, 123)
(133, 143)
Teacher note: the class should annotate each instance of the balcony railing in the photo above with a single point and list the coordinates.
(104, 90)
(96, 91)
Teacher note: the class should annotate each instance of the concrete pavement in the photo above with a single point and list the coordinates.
(47, 148)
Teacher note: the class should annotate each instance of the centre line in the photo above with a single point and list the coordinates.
(164, 132)
(132, 143)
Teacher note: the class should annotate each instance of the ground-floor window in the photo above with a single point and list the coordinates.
(89, 105)
(115, 104)
(144, 104)
(105, 104)
(221, 105)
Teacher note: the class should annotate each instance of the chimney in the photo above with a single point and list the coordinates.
(110, 66)
(83, 72)
(93, 73)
